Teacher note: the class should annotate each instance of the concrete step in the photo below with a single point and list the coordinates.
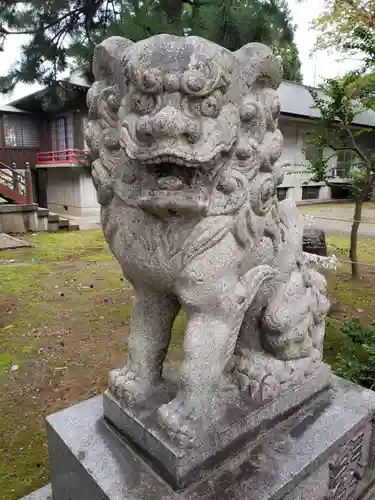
(63, 223)
(53, 218)
(43, 212)
(53, 223)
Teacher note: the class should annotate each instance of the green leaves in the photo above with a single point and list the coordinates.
(62, 29)
(335, 148)
(359, 370)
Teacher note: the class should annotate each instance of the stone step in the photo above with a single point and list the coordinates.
(63, 223)
(43, 212)
(53, 218)
(56, 222)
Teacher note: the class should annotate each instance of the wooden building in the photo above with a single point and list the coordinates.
(52, 142)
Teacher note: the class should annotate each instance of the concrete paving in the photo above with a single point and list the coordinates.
(338, 218)
(331, 218)
(88, 222)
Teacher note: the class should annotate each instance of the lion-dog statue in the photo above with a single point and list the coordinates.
(185, 151)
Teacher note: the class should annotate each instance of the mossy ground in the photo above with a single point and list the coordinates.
(349, 298)
(65, 313)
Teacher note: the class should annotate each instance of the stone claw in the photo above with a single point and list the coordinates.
(173, 417)
(125, 385)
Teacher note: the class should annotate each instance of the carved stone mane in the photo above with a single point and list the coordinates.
(185, 146)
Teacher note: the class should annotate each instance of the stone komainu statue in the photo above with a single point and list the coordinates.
(185, 148)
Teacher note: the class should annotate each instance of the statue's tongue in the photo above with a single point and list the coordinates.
(171, 183)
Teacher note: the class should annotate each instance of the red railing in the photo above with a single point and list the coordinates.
(15, 186)
(70, 156)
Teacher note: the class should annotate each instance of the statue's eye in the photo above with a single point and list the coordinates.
(211, 105)
(143, 104)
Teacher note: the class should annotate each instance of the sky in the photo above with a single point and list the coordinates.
(314, 68)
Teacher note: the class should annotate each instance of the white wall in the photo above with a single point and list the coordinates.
(296, 174)
(70, 191)
(63, 190)
(89, 204)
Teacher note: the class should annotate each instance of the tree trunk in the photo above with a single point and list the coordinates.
(353, 253)
(173, 12)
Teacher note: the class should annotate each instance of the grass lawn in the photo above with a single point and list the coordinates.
(65, 312)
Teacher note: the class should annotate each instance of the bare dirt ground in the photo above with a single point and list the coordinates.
(65, 313)
(64, 319)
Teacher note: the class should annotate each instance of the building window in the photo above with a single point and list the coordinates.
(310, 192)
(62, 133)
(282, 193)
(20, 132)
(345, 161)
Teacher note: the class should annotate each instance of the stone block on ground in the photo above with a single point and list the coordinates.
(42, 494)
(7, 242)
(314, 241)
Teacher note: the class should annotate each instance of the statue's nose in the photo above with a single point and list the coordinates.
(167, 123)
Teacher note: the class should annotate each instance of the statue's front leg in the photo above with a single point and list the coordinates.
(152, 321)
(215, 299)
(207, 346)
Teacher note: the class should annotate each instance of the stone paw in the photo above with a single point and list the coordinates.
(173, 417)
(260, 376)
(125, 385)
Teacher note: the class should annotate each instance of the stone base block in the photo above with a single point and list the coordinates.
(42, 494)
(324, 453)
(235, 423)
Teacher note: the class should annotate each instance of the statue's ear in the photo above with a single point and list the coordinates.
(108, 57)
(259, 63)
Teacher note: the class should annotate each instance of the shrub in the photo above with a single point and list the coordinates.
(359, 367)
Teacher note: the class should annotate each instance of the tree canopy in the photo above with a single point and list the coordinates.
(336, 137)
(63, 29)
(348, 26)
(341, 22)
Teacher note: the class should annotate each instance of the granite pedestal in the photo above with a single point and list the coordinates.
(235, 422)
(326, 453)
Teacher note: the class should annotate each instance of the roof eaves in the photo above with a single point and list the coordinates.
(7, 108)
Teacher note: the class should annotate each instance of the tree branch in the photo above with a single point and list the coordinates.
(340, 148)
(75, 12)
(354, 143)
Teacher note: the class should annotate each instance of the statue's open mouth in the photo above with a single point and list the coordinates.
(181, 186)
(182, 162)
(173, 173)
(172, 176)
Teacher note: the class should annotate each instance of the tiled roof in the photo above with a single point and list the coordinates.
(295, 100)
